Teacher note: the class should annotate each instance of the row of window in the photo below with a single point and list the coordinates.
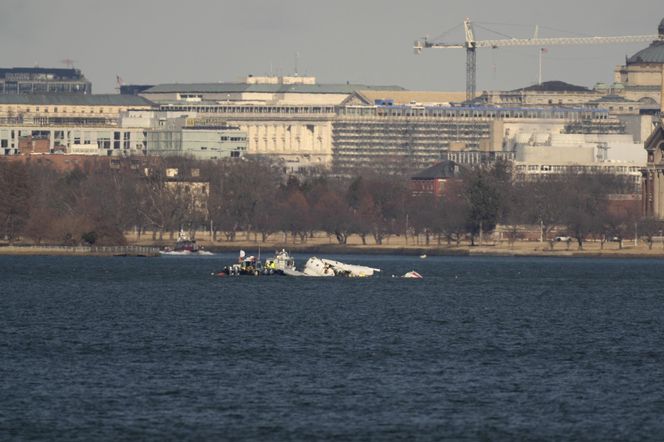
(55, 109)
(556, 168)
(251, 109)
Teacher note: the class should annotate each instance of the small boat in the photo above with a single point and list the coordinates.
(412, 275)
(246, 265)
(423, 256)
(280, 263)
(184, 246)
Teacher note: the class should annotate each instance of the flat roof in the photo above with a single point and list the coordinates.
(220, 88)
(406, 97)
(76, 99)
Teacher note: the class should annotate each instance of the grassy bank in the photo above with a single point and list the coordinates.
(322, 244)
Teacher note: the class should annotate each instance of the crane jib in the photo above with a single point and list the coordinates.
(471, 45)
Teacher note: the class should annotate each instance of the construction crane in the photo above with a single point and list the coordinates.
(471, 45)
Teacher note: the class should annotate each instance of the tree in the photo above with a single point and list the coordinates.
(649, 227)
(485, 188)
(422, 212)
(453, 214)
(14, 199)
(618, 223)
(544, 204)
(513, 209)
(295, 215)
(333, 216)
(586, 202)
(387, 216)
(44, 203)
(242, 192)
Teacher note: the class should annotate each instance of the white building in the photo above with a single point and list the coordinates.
(201, 138)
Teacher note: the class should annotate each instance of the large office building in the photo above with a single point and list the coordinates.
(348, 127)
(69, 123)
(43, 81)
(287, 118)
(311, 127)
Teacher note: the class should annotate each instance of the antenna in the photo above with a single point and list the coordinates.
(297, 56)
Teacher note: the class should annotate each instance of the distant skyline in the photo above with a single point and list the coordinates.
(368, 41)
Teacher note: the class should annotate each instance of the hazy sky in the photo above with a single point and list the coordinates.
(361, 41)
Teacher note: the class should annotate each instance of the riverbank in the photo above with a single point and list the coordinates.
(398, 245)
(324, 245)
(55, 250)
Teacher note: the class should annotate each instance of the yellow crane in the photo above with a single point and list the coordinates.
(471, 44)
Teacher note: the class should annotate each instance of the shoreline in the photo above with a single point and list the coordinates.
(523, 250)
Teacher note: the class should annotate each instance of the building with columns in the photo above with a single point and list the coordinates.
(642, 73)
(653, 175)
(649, 64)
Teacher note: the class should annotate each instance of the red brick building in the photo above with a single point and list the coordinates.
(437, 179)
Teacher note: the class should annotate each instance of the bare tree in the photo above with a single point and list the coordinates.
(649, 227)
(14, 199)
(333, 215)
(453, 213)
(586, 197)
(544, 202)
(422, 212)
(295, 215)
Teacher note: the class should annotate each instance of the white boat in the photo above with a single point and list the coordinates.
(199, 252)
(184, 246)
(412, 275)
(321, 267)
(170, 252)
(281, 262)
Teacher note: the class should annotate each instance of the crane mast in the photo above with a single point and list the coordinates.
(471, 45)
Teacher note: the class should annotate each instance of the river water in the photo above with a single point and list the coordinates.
(480, 349)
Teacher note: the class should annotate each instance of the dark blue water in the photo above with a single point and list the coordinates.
(481, 349)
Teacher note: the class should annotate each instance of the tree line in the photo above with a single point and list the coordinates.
(253, 197)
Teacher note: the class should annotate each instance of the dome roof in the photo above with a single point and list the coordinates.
(653, 53)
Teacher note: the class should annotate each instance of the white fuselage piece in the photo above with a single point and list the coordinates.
(327, 267)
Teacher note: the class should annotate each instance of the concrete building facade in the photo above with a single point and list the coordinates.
(199, 138)
(73, 124)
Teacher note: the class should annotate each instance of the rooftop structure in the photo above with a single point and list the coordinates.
(21, 80)
(75, 100)
(134, 89)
